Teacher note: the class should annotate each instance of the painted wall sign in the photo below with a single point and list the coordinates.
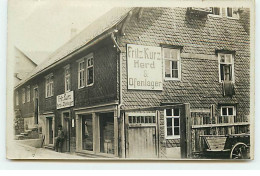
(65, 100)
(144, 64)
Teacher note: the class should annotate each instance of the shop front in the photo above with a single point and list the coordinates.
(96, 131)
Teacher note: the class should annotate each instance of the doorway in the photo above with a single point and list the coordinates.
(50, 130)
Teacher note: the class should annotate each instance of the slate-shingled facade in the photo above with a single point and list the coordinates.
(94, 123)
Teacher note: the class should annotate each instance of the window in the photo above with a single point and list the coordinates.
(228, 111)
(216, 11)
(172, 118)
(17, 98)
(81, 74)
(90, 70)
(49, 85)
(172, 63)
(232, 12)
(23, 95)
(28, 94)
(226, 67)
(67, 78)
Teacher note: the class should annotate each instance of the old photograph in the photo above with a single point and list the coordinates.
(92, 81)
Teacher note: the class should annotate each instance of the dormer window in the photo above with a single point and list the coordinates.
(232, 13)
(216, 11)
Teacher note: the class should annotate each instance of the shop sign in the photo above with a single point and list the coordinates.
(144, 64)
(65, 100)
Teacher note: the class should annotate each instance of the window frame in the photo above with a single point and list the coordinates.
(232, 66)
(173, 136)
(23, 95)
(171, 59)
(17, 98)
(89, 57)
(28, 93)
(67, 87)
(232, 14)
(229, 106)
(79, 72)
(49, 86)
(214, 15)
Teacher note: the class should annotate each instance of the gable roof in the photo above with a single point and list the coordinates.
(99, 26)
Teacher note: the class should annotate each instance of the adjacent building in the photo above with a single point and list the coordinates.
(132, 84)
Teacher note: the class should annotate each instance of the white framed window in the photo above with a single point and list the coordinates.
(81, 73)
(232, 13)
(216, 11)
(23, 95)
(228, 111)
(17, 98)
(67, 81)
(49, 85)
(172, 64)
(172, 123)
(28, 93)
(90, 70)
(226, 67)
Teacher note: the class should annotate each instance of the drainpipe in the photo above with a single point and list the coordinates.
(120, 84)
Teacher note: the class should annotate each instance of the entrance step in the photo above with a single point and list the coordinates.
(49, 147)
(88, 155)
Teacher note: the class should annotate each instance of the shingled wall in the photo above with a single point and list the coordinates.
(199, 83)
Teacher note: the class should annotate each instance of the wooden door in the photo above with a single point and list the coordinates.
(142, 142)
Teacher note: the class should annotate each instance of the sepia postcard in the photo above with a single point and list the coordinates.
(117, 80)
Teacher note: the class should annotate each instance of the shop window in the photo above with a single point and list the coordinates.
(49, 85)
(28, 94)
(106, 124)
(226, 67)
(232, 12)
(81, 74)
(17, 98)
(172, 62)
(87, 133)
(90, 70)
(23, 95)
(67, 78)
(172, 121)
(216, 11)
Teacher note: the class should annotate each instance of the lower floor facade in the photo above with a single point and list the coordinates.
(173, 130)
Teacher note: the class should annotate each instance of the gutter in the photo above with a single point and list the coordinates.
(120, 105)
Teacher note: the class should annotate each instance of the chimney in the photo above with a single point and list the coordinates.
(73, 32)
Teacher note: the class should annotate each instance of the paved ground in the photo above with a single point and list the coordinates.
(20, 151)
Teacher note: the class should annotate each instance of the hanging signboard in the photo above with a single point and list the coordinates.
(144, 64)
(65, 100)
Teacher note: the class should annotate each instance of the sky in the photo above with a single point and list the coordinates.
(45, 25)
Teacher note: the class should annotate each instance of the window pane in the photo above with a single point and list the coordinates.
(224, 111)
(175, 73)
(230, 111)
(222, 58)
(169, 131)
(90, 75)
(176, 122)
(169, 122)
(228, 58)
(229, 12)
(176, 130)
(87, 133)
(216, 11)
(176, 112)
(174, 53)
(174, 65)
(167, 69)
(168, 112)
(222, 72)
(166, 53)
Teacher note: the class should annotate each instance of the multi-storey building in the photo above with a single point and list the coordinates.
(128, 84)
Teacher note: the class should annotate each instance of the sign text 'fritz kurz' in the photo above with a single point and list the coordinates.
(65, 100)
(144, 67)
